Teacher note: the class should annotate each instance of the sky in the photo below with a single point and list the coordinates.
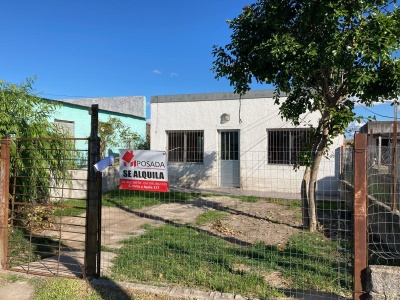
(105, 48)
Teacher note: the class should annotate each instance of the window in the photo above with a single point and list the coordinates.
(229, 145)
(284, 146)
(67, 127)
(185, 146)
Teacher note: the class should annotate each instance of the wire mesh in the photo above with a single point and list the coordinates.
(383, 206)
(246, 240)
(47, 211)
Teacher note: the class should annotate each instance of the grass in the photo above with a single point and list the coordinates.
(137, 200)
(63, 288)
(183, 256)
(291, 204)
(210, 216)
(70, 207)
(20, 250)
(24, 248)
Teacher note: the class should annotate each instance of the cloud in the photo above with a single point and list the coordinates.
(353, 128)
(375, 103)
(384, 102)
(356, 125)
(158, 72)
(173, 74)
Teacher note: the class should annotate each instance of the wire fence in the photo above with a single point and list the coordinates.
(383, 185)
(47, 208)
(383, 207)
(206, 233)
(246, 240)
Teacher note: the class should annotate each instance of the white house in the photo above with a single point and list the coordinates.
(222, 140)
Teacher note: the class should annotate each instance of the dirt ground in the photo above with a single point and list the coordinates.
(245, 223)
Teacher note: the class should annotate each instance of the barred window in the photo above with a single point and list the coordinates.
(185, 146)
(284, 146)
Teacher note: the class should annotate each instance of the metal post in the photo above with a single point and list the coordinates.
(394, 160)
(4, 199)
(379, 151)
(360, 216)
(93, 207)
(371, 144)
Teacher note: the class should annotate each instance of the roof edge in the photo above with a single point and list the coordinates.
(252, 94)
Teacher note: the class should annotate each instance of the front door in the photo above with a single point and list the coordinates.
(229, 159)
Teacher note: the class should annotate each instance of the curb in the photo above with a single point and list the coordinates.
(172, 292)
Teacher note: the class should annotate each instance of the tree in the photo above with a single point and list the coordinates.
(25, 115)
(324, 55)
(113, 133)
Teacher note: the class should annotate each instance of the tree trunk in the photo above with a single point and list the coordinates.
(312, 209)
(308, 188)
(305, 197)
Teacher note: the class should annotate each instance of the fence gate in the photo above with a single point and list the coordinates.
(44, 220)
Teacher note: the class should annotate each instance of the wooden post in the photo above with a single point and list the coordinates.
(360, 216)
(4, 199)
(93, 207)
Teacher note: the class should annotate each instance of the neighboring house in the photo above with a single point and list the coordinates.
(73, 115)
(222, 140)
(381, 133)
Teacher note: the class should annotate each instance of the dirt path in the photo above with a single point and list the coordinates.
(245, 222)
(265, 222)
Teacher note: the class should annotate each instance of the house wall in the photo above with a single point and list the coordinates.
(80, 116)
(252, 115)
(131, 105)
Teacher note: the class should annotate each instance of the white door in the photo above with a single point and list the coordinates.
(229, 159)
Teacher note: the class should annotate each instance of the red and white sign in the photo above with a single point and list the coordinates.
(143, 170)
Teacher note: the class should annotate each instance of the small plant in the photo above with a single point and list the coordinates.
(113, 133)
(210, 216)
(36, 218)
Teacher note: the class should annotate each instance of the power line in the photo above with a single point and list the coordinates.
(375, 112)
(68, 96)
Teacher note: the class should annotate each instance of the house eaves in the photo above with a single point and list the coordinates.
(127, 105)
(252, 94)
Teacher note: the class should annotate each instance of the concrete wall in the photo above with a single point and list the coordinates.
(110, 178)
(253, 115)
(383, 283)
(77, 187)
(379, 127)
(74, 188)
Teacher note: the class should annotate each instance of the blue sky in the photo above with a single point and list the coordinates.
(102, 48)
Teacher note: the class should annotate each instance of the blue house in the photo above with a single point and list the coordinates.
(73, 115)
